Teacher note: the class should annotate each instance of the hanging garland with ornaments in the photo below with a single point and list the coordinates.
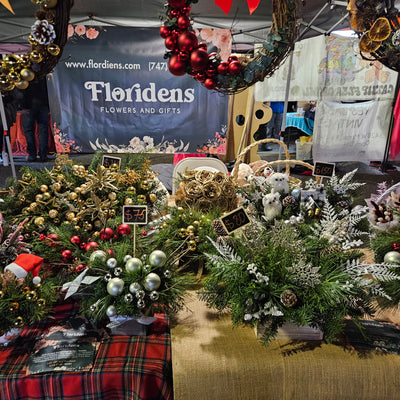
(187, 56)
(48, 37)
(377, 24)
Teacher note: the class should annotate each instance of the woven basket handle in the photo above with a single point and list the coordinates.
(241, 155)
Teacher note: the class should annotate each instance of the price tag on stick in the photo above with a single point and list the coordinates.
(235, 219)
(324, 169)
(134, 215)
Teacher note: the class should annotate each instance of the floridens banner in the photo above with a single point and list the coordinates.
(112, 91)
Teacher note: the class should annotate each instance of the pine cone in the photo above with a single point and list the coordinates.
(219, 228)
(43, 32)
(288, 298)
(288, 201)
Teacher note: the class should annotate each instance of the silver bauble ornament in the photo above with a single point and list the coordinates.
(147, 268)
(111, 262)
(140, 294)
(107, 277)
(134, 287)
(167, 273)
(154, 295)
(127, 257)
(128, 298)
(115, 286)
(152, 281)
(141, 303)
(98, 255)
(93, 308)
(117, 271)
(157, 258)
(133, 265)
(111, 311)
(392, 257)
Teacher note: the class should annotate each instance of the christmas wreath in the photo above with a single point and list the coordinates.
(377, 24)
(48, 37)
(186, 55)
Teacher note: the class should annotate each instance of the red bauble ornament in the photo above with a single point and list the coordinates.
(177, 3)
(210, 84)
(203, 46)
(183, 22)
(170, 43)
(79, 268)
(91, 246)
(110, 252)
(211, 71)
(223, 68)
(176, 66)
(234, 67)
(396, 246)
(232, 58)
(124, 229)
(186, 10)
(164, 32)
(174, 13)
(66, 254)
(75, 239)
(144, 233)
(106, 234)
(201, 77)
(199, 59)
(82, 245)
(183, 56)
(187, 41)
(53, 236)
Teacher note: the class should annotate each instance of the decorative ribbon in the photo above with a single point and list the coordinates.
(225, 5)
(7, 5)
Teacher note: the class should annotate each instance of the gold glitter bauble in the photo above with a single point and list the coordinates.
(112, 196)
(13, 77)
(35, 56)
(128, 201)
(141, 199)
(41, 302)
(39, 197)
(152, 197)
(192, 245)
(61, 178)
(190, 229)
(44, 188)
(39, 221)
(18, 322)
(114, 167)
(32, 206)
(97, 223)
(57, 186)
(70, 216)
(53, 213)
(145, 185)
(72, 196)
(46, 196)
(26, 177)
(77, 190)
(132, 189)
(53, 49)
(22, 85)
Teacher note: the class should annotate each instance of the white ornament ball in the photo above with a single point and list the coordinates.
(133, 264)
(157, 258)
(392, 257)
(98, 255)
(111, 263)
(115, 286)
(111, 311)
(152, 281)
(134, 287)
(127, 257)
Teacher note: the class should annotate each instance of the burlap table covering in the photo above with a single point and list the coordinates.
(212, 360)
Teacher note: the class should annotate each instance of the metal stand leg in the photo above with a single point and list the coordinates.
(7, 141)
(10, 156)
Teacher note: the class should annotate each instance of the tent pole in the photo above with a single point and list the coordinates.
(7, 137)
(384, 163)
(285, 106)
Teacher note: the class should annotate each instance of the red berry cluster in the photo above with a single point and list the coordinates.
(186, 55)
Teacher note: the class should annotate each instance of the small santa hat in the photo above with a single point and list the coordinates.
(24, 264)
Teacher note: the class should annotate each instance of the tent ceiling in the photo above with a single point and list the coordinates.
(246, 28)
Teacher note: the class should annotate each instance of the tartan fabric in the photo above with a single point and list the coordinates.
(125, 367)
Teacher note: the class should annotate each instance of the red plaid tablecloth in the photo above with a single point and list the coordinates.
(125, 367)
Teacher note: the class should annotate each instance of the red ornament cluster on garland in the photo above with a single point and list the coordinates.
(186, 55)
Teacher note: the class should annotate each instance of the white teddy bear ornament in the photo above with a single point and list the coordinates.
(272, 205)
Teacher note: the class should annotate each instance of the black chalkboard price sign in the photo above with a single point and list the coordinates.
(109, 160)
(134, 215)
(235, 219)
(323, 169)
